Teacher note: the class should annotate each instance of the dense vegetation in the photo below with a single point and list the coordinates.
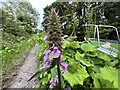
(66, 60)
(19, 22)
(104, 13)
(84, 66)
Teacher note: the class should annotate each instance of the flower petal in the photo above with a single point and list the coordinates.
(52, 84)
(47, 64)
(46, 58)
(46, 52)
(56, 52)
(56, 79)
(46, 37)
(63, 67)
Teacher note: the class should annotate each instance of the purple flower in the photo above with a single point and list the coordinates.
(52, 84)
(50, 43)
(46, 37)
(56, 52)
(46, 58)
(64, 66)
(67, 88)
(54, 33)
(48, 63)
(56, 79)
(47, 54)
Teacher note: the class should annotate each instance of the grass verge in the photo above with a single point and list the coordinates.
(14, 56)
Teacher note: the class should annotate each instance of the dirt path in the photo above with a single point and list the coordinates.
(26, 71)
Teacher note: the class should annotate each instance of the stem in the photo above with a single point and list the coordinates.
(59, 75)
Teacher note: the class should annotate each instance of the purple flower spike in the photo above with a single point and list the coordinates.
(46, 37)
(56, 79)
(52, 84)
(56, 52)
(63, 67)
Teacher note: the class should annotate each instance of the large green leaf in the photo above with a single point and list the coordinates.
(88, 47)
(76, 77)
(103, 57)
(79, 57)
(96, 83)
(74, 44)
(111, 74)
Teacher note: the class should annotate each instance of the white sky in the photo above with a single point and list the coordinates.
(39, 5)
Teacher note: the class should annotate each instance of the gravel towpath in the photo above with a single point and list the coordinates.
(26, 71)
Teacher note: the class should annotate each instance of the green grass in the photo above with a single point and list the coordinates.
(14, 55)
(115, 46)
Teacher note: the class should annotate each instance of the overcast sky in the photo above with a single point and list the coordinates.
(39, 5)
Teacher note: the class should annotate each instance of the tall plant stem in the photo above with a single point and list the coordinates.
(59, 76)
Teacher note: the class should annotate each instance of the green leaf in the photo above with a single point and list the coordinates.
(54, 72)
(92, 54)
(76, 77)
(76, 22)
(71, 60)
(88, 47)
(68, 26)
(79, 57)
(74, 44)
(65, 44)
(103, 57)
(44, 80)
(39, 72)
(96, 83)
(110, 74)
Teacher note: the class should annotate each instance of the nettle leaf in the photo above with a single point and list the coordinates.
(88, 47)
(76, 77)
(111, 74)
